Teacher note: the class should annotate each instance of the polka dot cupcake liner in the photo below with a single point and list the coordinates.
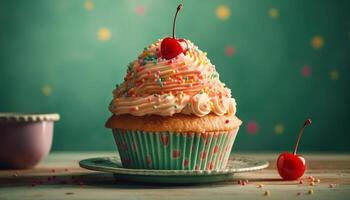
(175, 151)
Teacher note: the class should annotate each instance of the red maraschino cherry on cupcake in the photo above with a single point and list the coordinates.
(172, 111)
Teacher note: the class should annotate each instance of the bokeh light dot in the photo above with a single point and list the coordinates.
(317, 42)
(306, 71)
(104, 34)
(89, 5)
(223, 12)
(334, 74)
(46, 90)
(252, 127)
(230, 50)
(279, 128)
(140, 10)
(273, 13)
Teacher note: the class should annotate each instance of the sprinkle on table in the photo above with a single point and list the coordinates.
(267, 193)
(310, 192)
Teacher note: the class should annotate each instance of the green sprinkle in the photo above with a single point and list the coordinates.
(176, 107)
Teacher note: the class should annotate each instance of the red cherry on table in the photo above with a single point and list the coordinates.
(290, 165)
(171, 47)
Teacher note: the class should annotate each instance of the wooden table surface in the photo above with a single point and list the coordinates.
(60, 177)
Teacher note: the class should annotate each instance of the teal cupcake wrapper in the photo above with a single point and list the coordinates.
(172, 150)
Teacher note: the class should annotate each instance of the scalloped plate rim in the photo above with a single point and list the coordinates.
(86, 163)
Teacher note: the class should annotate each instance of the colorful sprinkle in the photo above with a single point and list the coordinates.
(267, 193)
(310, 192)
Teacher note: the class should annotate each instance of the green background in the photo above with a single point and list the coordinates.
(52, 60)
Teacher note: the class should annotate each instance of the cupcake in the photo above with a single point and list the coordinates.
(172, 111)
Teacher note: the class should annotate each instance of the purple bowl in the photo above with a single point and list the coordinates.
(25, 139)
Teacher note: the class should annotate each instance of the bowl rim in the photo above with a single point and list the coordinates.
(28, 117)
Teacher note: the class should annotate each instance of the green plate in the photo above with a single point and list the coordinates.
(114, 165)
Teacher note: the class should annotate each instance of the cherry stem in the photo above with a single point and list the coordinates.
(179, 7)
(306, 123)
